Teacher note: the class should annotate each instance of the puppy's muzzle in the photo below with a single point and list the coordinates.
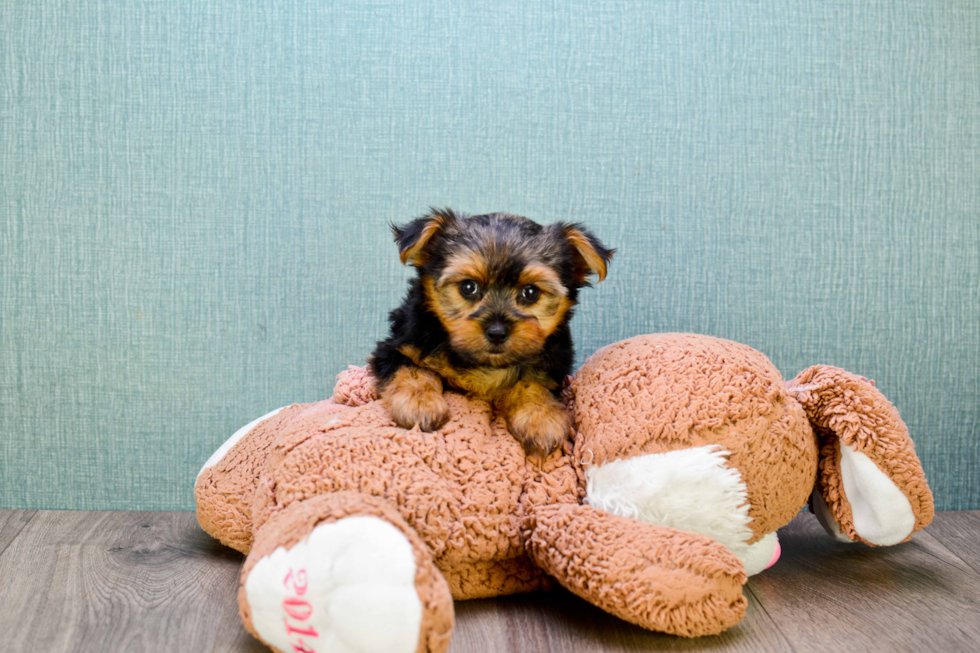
(496, 333)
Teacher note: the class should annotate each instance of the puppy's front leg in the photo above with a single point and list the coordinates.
(414, 396)
(534, 417)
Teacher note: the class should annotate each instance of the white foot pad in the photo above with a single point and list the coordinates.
(349, 587)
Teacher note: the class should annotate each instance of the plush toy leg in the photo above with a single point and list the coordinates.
(343, 573)
(693, 489)
(653, 576)
(870, 484)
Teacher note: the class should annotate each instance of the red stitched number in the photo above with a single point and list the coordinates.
(299, 583)
(301, 648)
(298, 609)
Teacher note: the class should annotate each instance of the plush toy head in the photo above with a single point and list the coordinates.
(695, 433)
(688, 453)
(703, 434)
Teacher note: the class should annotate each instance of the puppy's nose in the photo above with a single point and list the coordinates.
(497, 333)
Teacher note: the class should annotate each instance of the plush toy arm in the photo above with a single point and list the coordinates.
(656, 577)
(870, 484)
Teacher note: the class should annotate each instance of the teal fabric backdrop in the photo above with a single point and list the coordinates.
(193, 199)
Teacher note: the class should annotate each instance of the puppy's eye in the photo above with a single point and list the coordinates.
(530, 294)
(469, 289)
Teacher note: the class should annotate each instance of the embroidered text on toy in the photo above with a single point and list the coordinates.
(298, 610)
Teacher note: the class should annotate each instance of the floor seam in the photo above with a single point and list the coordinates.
(779, 630)
(938, 541)
(33, 513)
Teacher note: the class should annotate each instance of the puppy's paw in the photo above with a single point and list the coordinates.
(414, 397)
(539, 426)
(429, 410)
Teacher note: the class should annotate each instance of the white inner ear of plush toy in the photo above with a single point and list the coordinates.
(688, 489)
(233, 440)
(351, 582)
(882, 514)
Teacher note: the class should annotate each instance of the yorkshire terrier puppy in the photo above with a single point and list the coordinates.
(487, 314)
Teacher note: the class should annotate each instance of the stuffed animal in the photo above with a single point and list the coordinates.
(687, 454)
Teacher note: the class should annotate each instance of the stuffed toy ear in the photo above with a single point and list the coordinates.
(870, 484)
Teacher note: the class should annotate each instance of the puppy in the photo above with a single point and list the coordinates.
(487, 314)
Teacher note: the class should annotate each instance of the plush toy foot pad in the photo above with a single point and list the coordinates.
(349, 586)
(343, 573)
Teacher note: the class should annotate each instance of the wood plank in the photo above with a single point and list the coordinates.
(232, 636)
(12, 522)
(560, 622)
(99, 582)
(155, 582)
(960, 533)
(829, 596)
(556, 621)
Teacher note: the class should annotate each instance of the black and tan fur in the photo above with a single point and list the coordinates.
(487, 313)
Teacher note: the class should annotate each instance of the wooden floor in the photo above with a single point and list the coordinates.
(102, 582)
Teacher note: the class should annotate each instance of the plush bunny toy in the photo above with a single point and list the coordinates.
(688, 452)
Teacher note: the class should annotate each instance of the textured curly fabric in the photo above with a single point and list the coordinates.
(225, 492)
(659, 578)
(660, 393)
(494, 523)
(460, 487)
(291, 526)
(847, 409)
(355, 387)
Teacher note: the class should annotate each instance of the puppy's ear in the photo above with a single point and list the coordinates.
(413, 237)
(589, 255)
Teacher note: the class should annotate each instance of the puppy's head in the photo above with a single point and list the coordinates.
(500, 284)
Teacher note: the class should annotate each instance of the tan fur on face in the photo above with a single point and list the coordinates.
(544, 278)
(534, 417)
(413, 397)
(533, 325)
(552, 305)
(548, 312)
(464, 265)
(453, 311)
(445, 301)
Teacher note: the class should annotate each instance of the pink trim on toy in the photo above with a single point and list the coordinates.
(775, 555)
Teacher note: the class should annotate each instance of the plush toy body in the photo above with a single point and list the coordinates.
(687, 454)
